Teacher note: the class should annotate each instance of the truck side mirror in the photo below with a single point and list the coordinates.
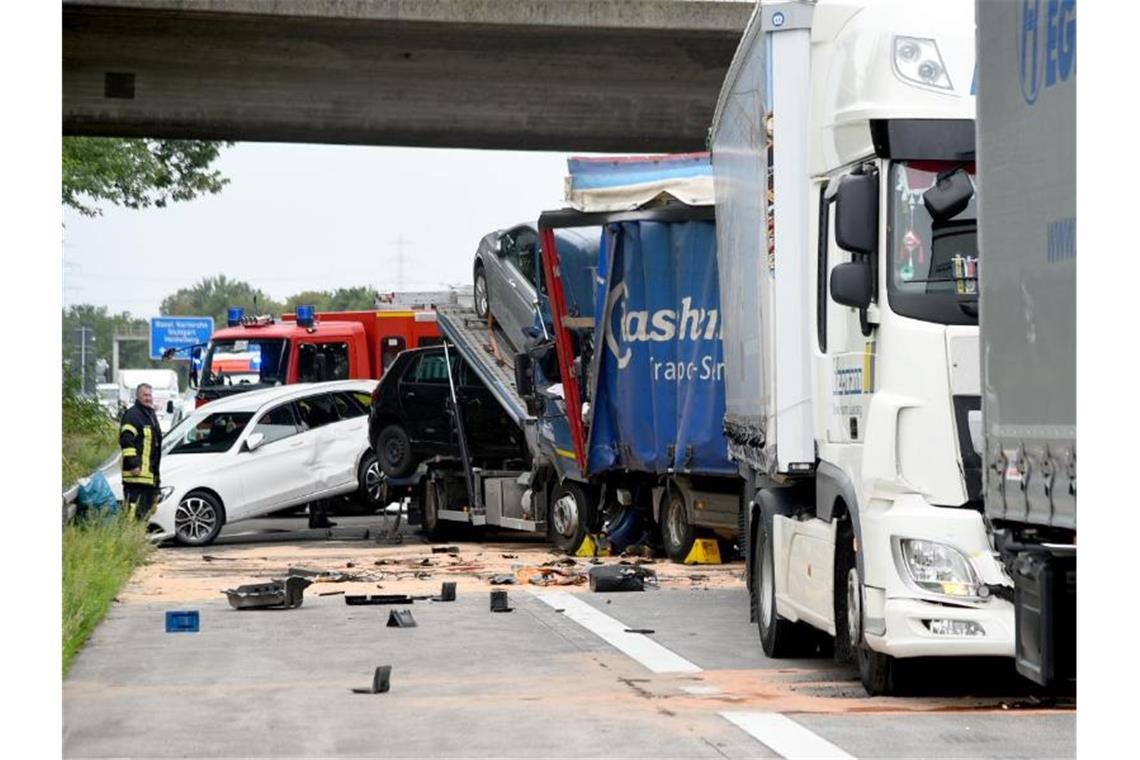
(192, 379)
(949, 196)
(857, 214)
(851, 284)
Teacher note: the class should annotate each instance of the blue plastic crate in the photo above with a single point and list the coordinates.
(182, 621)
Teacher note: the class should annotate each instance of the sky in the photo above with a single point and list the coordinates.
(311, 217)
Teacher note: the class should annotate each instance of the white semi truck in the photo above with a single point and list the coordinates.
(1027, 98)
(850, 333)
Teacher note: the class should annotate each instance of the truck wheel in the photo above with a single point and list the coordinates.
(394, 449)
(480, 294)
(776, 634)
(432, 527)
(877, 671)
(677, 533)
(569, 511)
(198, 519)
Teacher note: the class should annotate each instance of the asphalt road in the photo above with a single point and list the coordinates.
(559, 676)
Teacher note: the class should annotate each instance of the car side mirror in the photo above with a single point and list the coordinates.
(254, 441)
(949, 196)
(170, 407)
(851, 284)
(857, 214)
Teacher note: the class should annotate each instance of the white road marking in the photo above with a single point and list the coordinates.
(701, 691)
(636, 645)
(785, 737)
(779, 733)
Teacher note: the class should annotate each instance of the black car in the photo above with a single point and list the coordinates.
(411, 418)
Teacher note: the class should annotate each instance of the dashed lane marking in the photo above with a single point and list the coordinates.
(785, 737)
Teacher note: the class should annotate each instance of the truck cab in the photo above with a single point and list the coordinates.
(852, 365)
(308, 347)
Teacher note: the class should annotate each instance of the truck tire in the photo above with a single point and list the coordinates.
(394, 450)
(480, 294)
(570, 510)
(198, 519)
(432, 527)
(677, 533)
(777, 636)
(880, 673)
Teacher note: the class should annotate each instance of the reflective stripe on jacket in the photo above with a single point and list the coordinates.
(140, 439)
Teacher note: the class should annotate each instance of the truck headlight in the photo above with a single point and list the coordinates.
(917, 61)
(935, 567)
(164, 493)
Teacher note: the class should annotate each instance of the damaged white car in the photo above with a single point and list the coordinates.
(262, 451)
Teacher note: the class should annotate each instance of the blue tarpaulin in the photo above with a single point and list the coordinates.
(659, 387)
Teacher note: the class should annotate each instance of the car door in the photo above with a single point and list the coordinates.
(521, 274)
(424, 393)
(352, 435)
(274, 473)
(488, 428)
(318, 417)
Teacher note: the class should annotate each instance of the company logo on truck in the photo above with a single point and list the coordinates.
(663, 325)
(1046, 44)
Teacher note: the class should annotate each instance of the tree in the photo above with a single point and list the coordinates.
(360, 298)
(137, 173)
(212, 297)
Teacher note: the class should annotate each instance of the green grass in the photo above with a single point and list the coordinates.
(84, 451)
(98, 558)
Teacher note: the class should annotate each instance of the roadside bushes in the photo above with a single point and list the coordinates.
(99, 556)
(100, 553)
(89, 435)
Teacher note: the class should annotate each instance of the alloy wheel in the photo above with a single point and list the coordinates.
(194, 519)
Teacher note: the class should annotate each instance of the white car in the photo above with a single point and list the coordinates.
(254, 453)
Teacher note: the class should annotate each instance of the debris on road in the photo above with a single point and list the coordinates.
(445, 550)
(358, 599)
(640, 550)
(446, 592)
(561, 562)
(502, 579)
(500, 602)
(381, 681)
(330, 593)
(401, 619)
(620, 578)
(287, 594)
(550, 576)
(509, 556)
(640, 630)
(182, 621)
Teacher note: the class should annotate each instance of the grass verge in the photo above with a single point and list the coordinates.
(98, 557)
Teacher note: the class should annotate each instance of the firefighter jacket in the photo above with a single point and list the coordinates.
(141, 442)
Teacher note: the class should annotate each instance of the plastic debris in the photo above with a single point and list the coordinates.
(285, 593)
(401, 619)
(500, 602)
(381, 681)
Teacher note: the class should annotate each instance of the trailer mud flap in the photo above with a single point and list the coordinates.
(1045, 604)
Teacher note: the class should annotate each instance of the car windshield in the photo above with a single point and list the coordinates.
(933, 265)
(245, 362)
(211, 434)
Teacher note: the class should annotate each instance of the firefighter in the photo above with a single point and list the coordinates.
(141, 442)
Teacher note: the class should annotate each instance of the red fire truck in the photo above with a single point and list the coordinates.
(306, 347)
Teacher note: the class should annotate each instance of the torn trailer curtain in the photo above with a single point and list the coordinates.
(658, 389)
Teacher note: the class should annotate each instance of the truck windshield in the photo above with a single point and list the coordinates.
(245, 362)
(933, 274)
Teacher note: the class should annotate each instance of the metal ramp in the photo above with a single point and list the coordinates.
(476, 341)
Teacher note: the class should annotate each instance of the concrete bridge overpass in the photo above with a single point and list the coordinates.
(575, 75)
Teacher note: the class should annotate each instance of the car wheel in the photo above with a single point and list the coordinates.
(677, 533)
(371, 491)
(480, 294)
(394, 450)
(198, 519)
(569, 511)
(777, 635)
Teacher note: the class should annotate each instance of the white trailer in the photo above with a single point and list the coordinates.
(850, 333)
(1027, 197)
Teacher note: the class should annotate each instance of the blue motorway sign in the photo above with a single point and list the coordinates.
(178, 332)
